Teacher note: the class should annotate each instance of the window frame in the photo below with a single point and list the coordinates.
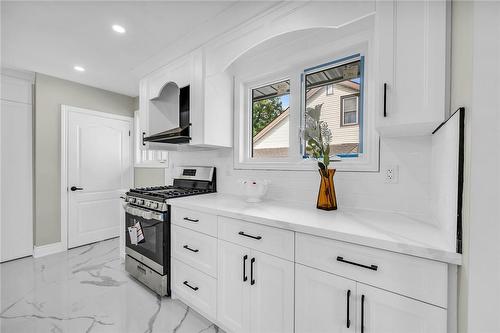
(368, 158)
(342, 110)
(327, 87)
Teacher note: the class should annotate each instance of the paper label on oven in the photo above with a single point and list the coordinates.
(140, 235)
(132, 232)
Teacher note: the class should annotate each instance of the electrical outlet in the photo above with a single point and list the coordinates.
(391, 174)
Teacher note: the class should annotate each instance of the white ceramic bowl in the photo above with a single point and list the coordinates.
(254, 190)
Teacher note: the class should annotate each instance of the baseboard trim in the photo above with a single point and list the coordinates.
(45, 250)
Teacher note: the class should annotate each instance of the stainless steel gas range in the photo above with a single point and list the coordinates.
(147, 225)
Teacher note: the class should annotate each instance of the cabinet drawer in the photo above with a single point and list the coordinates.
(422, 279)
(266, 239)
(198, 221)
(195, 288)
(195, 249)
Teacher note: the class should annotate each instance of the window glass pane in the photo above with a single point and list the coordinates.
(339, 108)
(350, 117)
(270, 120)
(350, 104)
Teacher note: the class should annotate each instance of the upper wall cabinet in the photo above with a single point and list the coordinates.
(176, 110)
(413, 54)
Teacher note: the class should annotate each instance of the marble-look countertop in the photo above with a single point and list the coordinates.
(383, 230)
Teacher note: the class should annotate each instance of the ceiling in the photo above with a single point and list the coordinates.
(52, 37)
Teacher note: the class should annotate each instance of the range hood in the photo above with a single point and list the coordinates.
(180, 134)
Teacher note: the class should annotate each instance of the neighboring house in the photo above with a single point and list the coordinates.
(340, 110)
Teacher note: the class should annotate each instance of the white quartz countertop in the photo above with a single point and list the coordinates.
(383, 230)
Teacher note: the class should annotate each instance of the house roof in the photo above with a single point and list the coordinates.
(270, 126)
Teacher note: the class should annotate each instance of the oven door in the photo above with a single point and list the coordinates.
(155, 228)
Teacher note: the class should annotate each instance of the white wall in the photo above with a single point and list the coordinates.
(481, 274)
(354, 189)
(50, 93)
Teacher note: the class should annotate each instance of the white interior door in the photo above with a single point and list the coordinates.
(99, 167)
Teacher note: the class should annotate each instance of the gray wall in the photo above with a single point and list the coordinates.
(149, 177)
(50, 93)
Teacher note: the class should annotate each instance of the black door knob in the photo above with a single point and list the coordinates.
(74, 188)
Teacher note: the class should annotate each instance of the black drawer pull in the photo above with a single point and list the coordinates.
(245, 257)
(190, 220)
(348, 322)
(252, 280)
(190, 249)
(385, 99)
(372, 267)
(187, 284)
(362, 313)
(140, 269)
(249, 236)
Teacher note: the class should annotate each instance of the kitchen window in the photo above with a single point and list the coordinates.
(147, 158)
(270, 129)
(272, 115)
(340, 109)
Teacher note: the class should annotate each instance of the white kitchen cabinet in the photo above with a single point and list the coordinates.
(210, 116)
(413, 48)
(386, 312)
(323, 302)
(233, 288)
(255, 290)
(16, 165)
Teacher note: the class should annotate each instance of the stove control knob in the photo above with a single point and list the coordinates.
(154, 205)
(148, 204)
(140, 202)
(132, 200)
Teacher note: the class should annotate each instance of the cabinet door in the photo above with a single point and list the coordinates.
(233, 299)
(412, 48)
(380, 311)
(323, 302)
(271, 294)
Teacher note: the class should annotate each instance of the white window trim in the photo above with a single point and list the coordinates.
(160, 158)
(366, 162)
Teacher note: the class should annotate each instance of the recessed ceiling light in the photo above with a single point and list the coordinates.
(118, 28)
(79, 68)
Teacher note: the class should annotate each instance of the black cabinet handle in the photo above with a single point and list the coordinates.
(348, 322)
(190, 220)
(252, 280)
(249, 236)
(74, 188)
(372, 267)
(188, 285)
(385, 99)
(143, 135)
(190, 249)
(362, 313)
(245, 257)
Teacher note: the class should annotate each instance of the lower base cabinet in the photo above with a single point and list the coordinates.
(323, 302)
(386, 312)
(329, 303)
(255, 291)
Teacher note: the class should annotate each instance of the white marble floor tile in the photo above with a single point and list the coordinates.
(87, 290)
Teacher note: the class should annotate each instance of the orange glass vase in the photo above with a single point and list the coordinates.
(327, 200)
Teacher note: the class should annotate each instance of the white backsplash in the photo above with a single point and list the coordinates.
(368, 190)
